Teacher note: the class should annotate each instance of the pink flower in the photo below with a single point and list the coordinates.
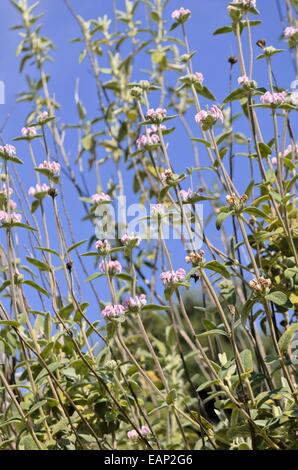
(186, 195)
(130, 241)
(135, 304)
(3, 191)
(172, 277)
(290, 149)
(274, 161)
(181, 15)
(100, 197)
(103, 246)
(113, 311)
(11, 218)
(208, 118)
(273, 99)
(243, 80)
(113, 267)
(157, 210)
(28, 132)
(7, 150)
(200, 77)
(38, 190)
(133, 434)
(150, 137)
(43, 116)
(246, 3)
(290, 31)
(156, 115)
(53, 167)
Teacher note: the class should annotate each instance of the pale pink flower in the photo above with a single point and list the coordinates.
(186, 195)
(38, 189)
(294, 98)
(11, 218)
(274, 161)
(103, 246)
(100, 197)
(8, 150)
(207, 118)
(157, 210)
(3, 191)
(172, 277)
(28, 132)
(243, 80)
(113, 311)
(130, 240)
(290, 149)
(53, 167)
(43, 116)
(113, 267)
(181, 14)
(246, 3)
(273, 99)
(135, 304)
(134, 435)
(150, 137)
(290, 31)
(156, 115)
(200, 77)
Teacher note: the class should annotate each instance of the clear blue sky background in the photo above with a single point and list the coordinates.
(211, 59)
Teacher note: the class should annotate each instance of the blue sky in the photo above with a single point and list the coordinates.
(211, 59)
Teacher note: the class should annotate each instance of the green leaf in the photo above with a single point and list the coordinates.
(223, 30)
(214, 332)
(155, 307)
(235, 95)
(39, 264)
(277, 297)
(247, 360)
(13, 323)
(286, 338)
(36, 287)
(75, 245)
(265, 150)
(217, 267)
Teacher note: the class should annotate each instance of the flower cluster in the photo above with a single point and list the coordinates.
(130, 241)
(260, 284)
(290, 149)
(98, 198)
(246, 83)
(113, 311)
(150, 137)
(157, 210)
(113, 267)
(43, 116)
(207, 118)
(134, 435)
(291, 32)
(53, 168)
(181, 15)
(103, 246)
(273, 99)
(156, 115)
(235, 201)
(186, 195)
(38, 190)
(28, 132)
(135, 304)
(196, 259)
(246, 3)
(12, 218)
(4, 191)
(170, 278)
(7, 150)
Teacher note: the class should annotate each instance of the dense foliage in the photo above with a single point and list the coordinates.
(194, 354)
